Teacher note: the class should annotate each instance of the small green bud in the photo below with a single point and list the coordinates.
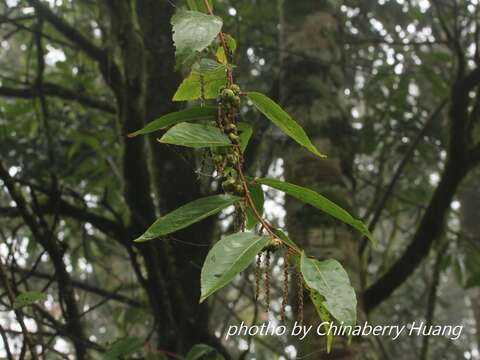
(239, 189)
(228, 171)
(229, 184)
(235, 138)
(235, 88)
(232, 159)
(236, 101)
(273, 245)
(231, 127)
(217, 158)
(227, 94)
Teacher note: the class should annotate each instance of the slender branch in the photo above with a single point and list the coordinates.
(56, 253)
(60, 328)
(356, 41)
(54, 90)
(86, 287)
(110, 71)
(430, 229)
(24, 211)
(68, 31)
(44, 111)
(62, 207)
(432, 298)
(399, 171)
(19, 26)
(18, 313)
(5, 343)
(226, 50)
(453, 39)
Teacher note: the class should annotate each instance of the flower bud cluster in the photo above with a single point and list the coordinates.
(226, 159)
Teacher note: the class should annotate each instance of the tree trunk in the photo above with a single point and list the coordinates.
(142, 31)
(470, 228)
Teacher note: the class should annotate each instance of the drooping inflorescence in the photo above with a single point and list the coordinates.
(258, 275)
(267, 280)
(285, 289)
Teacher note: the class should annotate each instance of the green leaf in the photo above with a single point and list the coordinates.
(203, 352)
(28, 298)
(246, 132)
(205, 81)
(232, 46)
(258, 198)
(199, 5)
(286, 240)
(186, 115)
(324, 316)
(227, 258)
(231, 43)
(320, 202)
(331, 281)
(187, 215)
(193, 32)
(284, 121)
(123, 348)
(195, 136)
(207, 66)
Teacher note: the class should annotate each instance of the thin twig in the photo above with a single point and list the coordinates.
(18, 313)
(6, 346)
(239, 166)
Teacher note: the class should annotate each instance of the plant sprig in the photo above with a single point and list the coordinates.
(326, 281)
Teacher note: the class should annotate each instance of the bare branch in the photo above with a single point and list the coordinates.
(18, 313)
(399, 171)
(60, 92)
(109, 69)
(86, 287)
(69, 31)
(44, 237)
(430, 229)
(6, 346)
(64, 208)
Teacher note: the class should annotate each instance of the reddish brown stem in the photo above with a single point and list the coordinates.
(248, 196)
(221, 36)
